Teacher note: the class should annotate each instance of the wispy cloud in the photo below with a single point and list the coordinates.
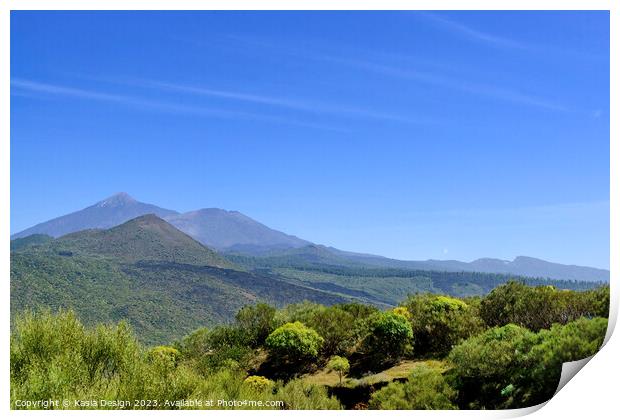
(496, 41)
(495, 92)
(473, 33)
(380, 63)
(170, 107)
(310, 106)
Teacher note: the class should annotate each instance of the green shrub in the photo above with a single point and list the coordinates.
(487, 363)
(256, 322)
(333, 325)
(540, 307)
(231, 385)
(194, 345)
(562, 343)
(210, 350)
(298, 395)
(512, 367)
(164, 354)
(425, 389)
(259, 382)
(294, 342)
(440, 322)
(390, 336)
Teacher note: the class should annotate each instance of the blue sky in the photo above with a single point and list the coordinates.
(415, 135)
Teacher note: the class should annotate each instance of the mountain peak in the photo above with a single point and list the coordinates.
(148, 219)
(104, 214)
(118, 199)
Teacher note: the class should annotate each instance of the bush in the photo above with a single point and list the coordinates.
(440, 322)
(259, 382)
(363, 316)
(298, 395)
(194, 345)
(540, 307)
(333, 325)
(294, 342)
(231, 385)
(486, 364)
(164, 354)
(256, 322)
(210, 350)
(389, 338)
(563, 343)
(425, 389)
(512, 367)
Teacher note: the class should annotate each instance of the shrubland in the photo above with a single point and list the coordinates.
(503, 350)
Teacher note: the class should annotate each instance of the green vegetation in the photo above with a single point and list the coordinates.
(32, 240)
(390, 336)
(440, 322)
(425, 389)
(510, 366)
(159, 280)
(294, 342)
(56, 357)
(383, 286)
(165, 285)
(340, 365)
(415, 356)
(540, 307)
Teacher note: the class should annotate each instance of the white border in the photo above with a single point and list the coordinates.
(592, 394)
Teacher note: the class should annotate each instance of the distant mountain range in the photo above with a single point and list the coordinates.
(216, 228)
(232, 232)
(166, 284)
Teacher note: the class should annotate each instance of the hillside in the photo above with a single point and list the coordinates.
(32, 240)
(164, 283)
(143, 238)
(383, 285)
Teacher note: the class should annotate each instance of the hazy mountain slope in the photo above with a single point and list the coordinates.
(223, 229)
(521, 266)
(528, 266)
(107, 213)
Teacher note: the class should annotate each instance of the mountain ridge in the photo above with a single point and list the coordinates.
(232, 232)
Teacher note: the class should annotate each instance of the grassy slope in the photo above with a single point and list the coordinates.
(399, 371)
